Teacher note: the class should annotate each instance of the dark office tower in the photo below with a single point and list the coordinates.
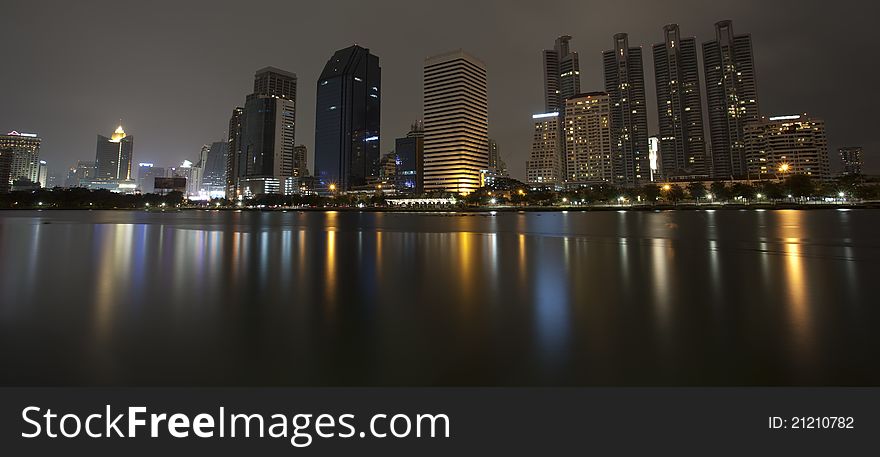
(732, 97)
(214, 169)
(6, 156)
(851, 159)
(562, 75)
(113, 156)
(347, 120)
(233, 153)
(410, 160)
(300, 161)
(625, 83)
(262, 136)
(497, 166)
(679, 107)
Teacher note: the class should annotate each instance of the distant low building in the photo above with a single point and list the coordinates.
(165, 186)
(84, 170)
(147, 173)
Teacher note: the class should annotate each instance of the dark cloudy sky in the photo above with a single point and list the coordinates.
(173, 71)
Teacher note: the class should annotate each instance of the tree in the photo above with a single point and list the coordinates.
(720, 190)
(697, 190)
(676, 193)
(743, 190)
(800, 186)
(651, 192)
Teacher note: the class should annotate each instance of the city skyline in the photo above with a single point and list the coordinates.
(172, 126)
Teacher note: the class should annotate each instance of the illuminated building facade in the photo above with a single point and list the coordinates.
(731, 97)
(787, 145)
(347, 118)
(23, 151)
(544, 167)
(587, 139)
(625, 84)
(679, 107)
(456, 122)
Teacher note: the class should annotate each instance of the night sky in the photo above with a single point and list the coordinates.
(173, 71)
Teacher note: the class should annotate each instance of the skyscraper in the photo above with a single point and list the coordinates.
(544, 167)
(587, 139)
(732, 98)
(113, 156)
(625, 83)
(851, 159)
(347, 120)
(456, 122)
(410, 160)
(43, 174)
(214, 169)
(233, 154)
(562, 75)
(787, 145)
(263, 135)
(679, 107)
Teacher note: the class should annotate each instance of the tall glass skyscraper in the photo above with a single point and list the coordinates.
(262, 136)
(625, 83)
(347, 120)
(732, 98)
(679, 107)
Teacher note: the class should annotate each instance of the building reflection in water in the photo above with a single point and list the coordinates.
(796, 285)
(551, 303)
(582, 298)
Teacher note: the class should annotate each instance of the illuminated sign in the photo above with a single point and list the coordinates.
(785, 118)
(541, 116)
(29, 135)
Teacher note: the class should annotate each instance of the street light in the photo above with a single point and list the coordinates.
(667, 187)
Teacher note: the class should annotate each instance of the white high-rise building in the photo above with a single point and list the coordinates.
(588, 151)
(544, 167)
(25, 151)
(787, 145)
(456, 122)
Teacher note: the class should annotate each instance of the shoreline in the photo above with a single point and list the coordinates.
(504, 209)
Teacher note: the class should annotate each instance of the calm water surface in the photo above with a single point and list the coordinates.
(349, 298)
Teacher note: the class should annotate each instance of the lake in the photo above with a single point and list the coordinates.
(618, 298)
